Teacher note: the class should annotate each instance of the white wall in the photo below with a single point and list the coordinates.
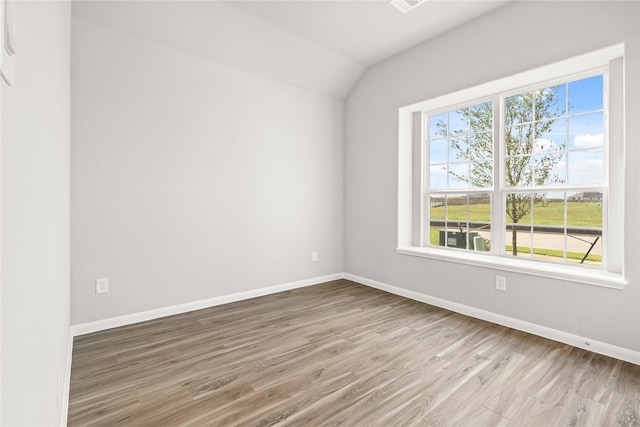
(35, 216)
(516, 38)
(192, 180)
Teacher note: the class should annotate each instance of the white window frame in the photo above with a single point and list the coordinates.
(424, 208)
(606, 61)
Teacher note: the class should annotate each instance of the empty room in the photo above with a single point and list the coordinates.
(319, 213)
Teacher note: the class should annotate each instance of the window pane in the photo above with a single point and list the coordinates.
(586, 95)
(438, 126)
(586, 131)
(458, 149)
(481, 117)
(459, 122)
(519, 109)
(584, 249)
(480, 222)
(519, 140)
(551, 102)
(559, 228)
(584, 228)
(437, 208)
(549, 244)
(434, 235)
(584, 209)
(520, 165)
(547, 168)
(438, 151)
(518, 208)
(548, 209)
(460, 221)
(463, 157)
(482, 145)
(438, 177)
(536, 148)
(586, 167)
(552, 136)
(437, 216)
(548, 230)
(481, 166)
(457, 208)
(480, 208)
(459, 175)
(520, 238)
(559, 171)
(519, 171)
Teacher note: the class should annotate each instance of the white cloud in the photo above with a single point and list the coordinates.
(588, 140)
(585, 170)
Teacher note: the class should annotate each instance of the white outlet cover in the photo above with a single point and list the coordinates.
(102, 285)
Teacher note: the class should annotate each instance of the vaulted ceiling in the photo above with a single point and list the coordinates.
(322, 45)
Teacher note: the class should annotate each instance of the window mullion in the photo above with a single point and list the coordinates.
(497, 206)
(424, 180)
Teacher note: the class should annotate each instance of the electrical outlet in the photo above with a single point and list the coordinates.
(314, 256)
(501, 283)
(102, 285)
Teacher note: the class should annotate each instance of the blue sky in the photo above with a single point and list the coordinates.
(581, 130)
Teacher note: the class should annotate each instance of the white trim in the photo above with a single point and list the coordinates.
(67, 383)
(577, 64)
(566, 272)
(611, 272)
(128, 319)
(532, 328)
(405, 192)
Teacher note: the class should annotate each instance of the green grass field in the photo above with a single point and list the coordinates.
(434, 239)
(579, 214)
(555, 253)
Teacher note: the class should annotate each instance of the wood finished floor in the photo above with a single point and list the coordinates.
(341, 354)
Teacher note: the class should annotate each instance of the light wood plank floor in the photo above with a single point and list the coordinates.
(341, 354)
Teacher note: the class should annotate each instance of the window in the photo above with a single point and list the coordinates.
(523, 173)
(552, 173)
(460, 179)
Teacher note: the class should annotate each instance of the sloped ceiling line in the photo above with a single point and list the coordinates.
(321, 46)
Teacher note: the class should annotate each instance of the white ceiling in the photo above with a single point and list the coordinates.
(366, 31)
(318, 45)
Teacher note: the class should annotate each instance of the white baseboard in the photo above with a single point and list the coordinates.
(114, 322)
(532, 328)
(67, 383)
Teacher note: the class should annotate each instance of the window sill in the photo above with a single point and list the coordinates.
(542, 269)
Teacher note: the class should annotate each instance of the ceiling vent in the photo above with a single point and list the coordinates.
(405, 6)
